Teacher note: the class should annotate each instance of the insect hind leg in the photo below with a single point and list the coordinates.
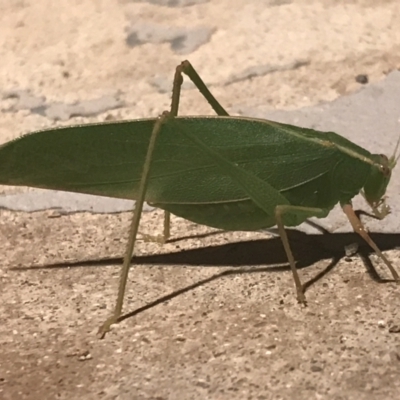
(185, 67)
(137, 213)
(163, 238)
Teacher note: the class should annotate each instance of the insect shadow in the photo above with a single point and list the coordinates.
(260, 255)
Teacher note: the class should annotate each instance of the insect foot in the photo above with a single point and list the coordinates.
(105, 328)
(301, 297)
(159, 239)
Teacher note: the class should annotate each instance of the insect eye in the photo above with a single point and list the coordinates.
(384, 157)
(384, 165)
(385, 170)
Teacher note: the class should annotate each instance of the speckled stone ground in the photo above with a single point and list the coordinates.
(213, 315)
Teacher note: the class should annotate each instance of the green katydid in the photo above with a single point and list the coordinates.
(231, 173)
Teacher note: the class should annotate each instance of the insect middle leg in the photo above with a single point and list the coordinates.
(280, 212)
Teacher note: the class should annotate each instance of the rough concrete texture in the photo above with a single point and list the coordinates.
(183, 40)
(58, 110)
(213, 315)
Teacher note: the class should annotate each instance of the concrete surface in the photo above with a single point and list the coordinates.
(231, 329)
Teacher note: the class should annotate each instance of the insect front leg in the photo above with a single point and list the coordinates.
(359, 228)
(137, 213)
(280, 212)
(381, 209)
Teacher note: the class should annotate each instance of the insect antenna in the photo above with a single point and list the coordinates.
(395, 157)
